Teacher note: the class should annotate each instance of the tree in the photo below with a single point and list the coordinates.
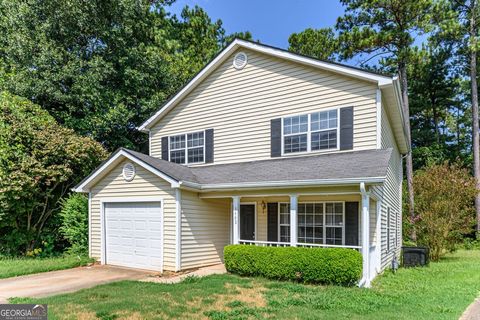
(319, 43)
(444, 205)
(102, 67)
(460, 25)
(434, 95)
(40, 162)
(386, 28)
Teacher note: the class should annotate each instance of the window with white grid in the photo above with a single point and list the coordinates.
(311, 132)
(188, 148)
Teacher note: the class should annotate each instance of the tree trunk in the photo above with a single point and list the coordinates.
(474, 88)
(402, 69)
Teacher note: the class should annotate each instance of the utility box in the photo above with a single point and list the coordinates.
(415, 256)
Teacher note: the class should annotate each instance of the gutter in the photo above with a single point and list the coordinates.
(279, 184)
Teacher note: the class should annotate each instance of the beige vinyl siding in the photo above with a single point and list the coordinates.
(144, 184)
(239, 104)
(392, 196)
(205, 230)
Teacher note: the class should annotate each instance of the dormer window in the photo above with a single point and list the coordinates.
(187, 148)
(310, 132)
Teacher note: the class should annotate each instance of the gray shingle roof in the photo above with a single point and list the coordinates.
(333, 166)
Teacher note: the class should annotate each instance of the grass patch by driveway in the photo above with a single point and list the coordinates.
(441, 291)
(12, 267)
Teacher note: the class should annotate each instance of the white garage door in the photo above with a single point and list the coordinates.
(133, 234)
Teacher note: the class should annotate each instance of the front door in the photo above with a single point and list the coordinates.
(247, 222)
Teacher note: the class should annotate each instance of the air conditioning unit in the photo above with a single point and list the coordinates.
(415, 256)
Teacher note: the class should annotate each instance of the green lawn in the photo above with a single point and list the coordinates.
(21, 266)
(441, 291)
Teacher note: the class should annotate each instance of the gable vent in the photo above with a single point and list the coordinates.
(240, 60)
(128, 171)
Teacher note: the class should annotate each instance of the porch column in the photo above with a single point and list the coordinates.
(236, 219)
(365, 236)
(293, 220)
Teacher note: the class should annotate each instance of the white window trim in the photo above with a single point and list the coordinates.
(324, 225)
(186, 146)
(309, 133)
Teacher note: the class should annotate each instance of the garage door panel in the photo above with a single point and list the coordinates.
(134, 234)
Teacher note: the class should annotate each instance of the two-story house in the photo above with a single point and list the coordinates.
(263, 147)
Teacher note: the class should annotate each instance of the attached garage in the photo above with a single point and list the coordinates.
(134, 234)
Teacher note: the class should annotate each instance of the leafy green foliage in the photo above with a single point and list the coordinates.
(318, 43)
(444, 206)
(74, 228)
(310, 265)
(39, 162)
(438, 116)
(383, 27)
(103, 67)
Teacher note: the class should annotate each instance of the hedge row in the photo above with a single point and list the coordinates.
(310, 265)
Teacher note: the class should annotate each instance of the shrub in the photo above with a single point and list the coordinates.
(74, 227)
(310, 265)
(444, 207)
(40, 161)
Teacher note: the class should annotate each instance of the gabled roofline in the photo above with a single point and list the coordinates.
(84, 185)
(381, 80)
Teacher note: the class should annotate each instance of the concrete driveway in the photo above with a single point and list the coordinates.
(56, 282)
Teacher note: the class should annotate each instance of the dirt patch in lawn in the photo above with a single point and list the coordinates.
(236, 296)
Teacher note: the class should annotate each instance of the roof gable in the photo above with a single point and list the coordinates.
(380, 80)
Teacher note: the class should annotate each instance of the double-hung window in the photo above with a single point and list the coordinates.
(310, 132)
(318, 222)
(188, 148)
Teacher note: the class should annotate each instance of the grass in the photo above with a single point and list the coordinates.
(441, 291)
(12, 267)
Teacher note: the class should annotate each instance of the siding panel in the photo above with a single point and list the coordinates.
(205, 230)
(145, 183)
(239, 105)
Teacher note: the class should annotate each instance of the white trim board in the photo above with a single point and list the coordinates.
(278, 53)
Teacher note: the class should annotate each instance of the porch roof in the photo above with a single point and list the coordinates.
(354, 166)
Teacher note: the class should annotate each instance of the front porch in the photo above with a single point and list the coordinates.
(325, 218)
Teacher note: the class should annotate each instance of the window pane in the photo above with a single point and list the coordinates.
(324, 120)
(195, 139)
(296, 143)
(324, 140)
(177, 142)
(333, 235)
(284, 234)
(284, 218)
(296, 124)
(285, 208)
(195, 155)
(177, 156)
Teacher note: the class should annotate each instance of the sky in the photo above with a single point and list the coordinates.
(270, 21)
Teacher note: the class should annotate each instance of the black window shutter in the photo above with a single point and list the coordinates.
(351, 223)
(272, 221)
(209, 146)
(346, 128)
(165, 148)
(276, 137)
